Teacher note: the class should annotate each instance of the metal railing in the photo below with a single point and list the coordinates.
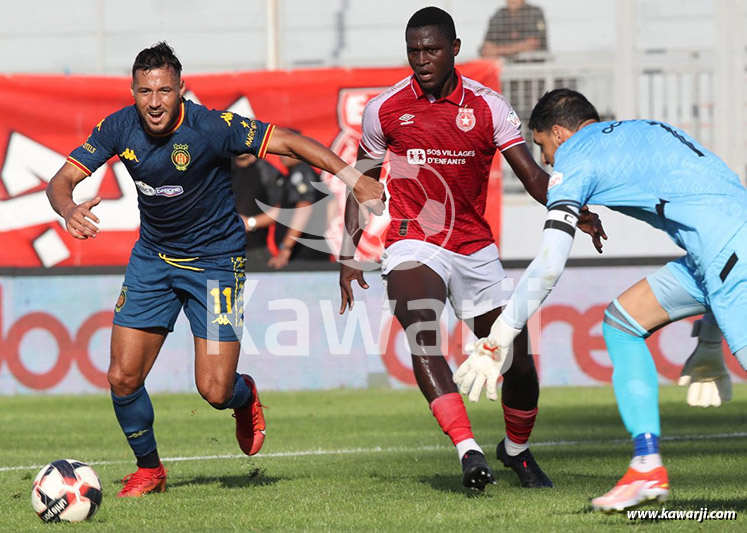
(677, 87)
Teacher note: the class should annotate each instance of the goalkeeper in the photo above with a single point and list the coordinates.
(675, 185)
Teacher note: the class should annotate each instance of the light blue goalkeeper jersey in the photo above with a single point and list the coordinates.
(656, 173)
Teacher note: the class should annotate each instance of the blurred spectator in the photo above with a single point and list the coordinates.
(518, 27)
(271, 237)
(255, 180)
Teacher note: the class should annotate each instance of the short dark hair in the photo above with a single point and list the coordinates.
(159, 55)
(433, 16)
(564, 107)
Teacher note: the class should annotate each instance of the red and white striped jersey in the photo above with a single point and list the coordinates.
(440, 152)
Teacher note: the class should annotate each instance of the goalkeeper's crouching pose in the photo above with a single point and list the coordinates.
(665, 188)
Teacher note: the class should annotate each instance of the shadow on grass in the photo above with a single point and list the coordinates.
(256, 477)
(453, 484)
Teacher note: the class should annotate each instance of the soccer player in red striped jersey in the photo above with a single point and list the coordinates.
(441, 131)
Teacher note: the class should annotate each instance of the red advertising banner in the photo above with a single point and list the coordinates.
(42, 118)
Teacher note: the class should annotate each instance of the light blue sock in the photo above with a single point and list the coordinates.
(634, 377)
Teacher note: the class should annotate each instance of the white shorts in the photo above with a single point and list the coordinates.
(474, 282)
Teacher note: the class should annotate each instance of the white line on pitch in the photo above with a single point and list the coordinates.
(378, 449)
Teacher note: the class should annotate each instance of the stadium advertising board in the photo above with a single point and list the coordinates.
(56, 330)
(43, 118)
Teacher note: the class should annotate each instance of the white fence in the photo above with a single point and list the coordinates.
(680, 88)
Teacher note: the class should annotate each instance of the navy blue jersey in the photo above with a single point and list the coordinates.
(183, 177)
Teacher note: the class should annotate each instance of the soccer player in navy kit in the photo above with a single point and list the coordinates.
(658, 174)
(441, 131)
(190, 253)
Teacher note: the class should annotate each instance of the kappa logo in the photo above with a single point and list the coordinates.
(228, 117)
(556, 178)
(180, 156)
(416, 156)
(465, 119)
(165, 190)
(222, 320)
(129, 155)
(406, 119)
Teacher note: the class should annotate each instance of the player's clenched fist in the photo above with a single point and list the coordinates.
(483, 366)
(79, 219)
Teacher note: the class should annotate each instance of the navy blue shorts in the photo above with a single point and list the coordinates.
(211, 291)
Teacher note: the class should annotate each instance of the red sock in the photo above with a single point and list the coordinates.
(519, 423)
(452, 417)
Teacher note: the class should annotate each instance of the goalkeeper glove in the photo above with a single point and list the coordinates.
(489, 358)
(705, 373)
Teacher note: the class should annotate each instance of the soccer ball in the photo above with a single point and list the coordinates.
(66, 490)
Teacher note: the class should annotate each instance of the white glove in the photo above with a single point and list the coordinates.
(489, 358)
(482, 366)
(705, 372)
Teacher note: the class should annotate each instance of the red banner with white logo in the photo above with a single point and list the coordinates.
(42, 118)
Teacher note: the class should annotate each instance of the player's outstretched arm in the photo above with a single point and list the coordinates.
(79, 220)
(535, 181)
(367, 191)
(353, 230)
(532, 176)
(491, 356)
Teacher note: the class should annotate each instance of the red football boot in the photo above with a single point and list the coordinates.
(143, 481)
(250, 422)
(633, 489)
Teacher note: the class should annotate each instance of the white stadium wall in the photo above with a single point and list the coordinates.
(55, 335)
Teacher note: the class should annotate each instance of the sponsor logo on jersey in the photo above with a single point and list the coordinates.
(406, 119)
(98, 126)
(180, 156)
(252, 132)
(169, 190)
(416, 156)
(129, 155)
(165, 190)
(556, 178)
(228, 117)
(465, 119)
(513, 119)
(88, 148)
(122, 300)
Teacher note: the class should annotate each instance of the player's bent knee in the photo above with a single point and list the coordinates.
(217, 397)
(122, 383)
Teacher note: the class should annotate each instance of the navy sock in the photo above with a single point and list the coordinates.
(242, 395)
(135, 416)
(149, 461)
(645, 444)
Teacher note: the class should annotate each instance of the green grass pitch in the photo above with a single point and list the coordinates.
(370, 460)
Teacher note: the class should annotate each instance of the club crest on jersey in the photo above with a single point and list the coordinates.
(180, 156)
(465, 119)
(556, 178)
(122, 300)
